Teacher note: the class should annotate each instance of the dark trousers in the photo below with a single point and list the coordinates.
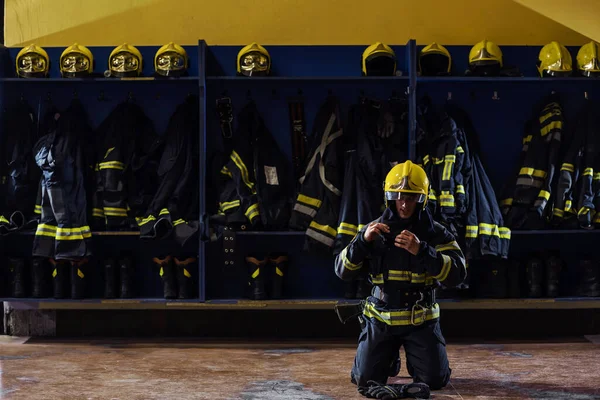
(377, 356)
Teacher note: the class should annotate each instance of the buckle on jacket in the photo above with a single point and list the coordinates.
(416, 307)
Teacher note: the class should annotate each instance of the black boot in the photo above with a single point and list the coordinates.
(18, 271)
(514, 279)
(590, 278)
(126, 272)
(186, 270)
(534, 270)
(40, 277)
(256, 272)
(110, 278)
(79, 270)
(167, 273)
(279, 263)
(553, 267)
(60, 278)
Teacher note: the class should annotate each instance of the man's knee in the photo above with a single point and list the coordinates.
(361, 378)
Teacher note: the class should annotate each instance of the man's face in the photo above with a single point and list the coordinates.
(406, 206)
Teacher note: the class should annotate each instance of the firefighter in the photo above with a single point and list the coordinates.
(409, 256)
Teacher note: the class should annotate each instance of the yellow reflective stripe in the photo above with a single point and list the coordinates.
(453, 245)
(227, 205)
(347, 264)
(448, 163)
(507, 202)
(309, 200)
(597, 176)
(3, 219)
(447, 264)
(471, 231)
(163, 211)
(252, 212)
(108, 152)
(459, 149)
(377, 279)
(568, 205)
(489, 229)
(256, 273)
(178, 222)
(347, 229)
(446, 199)
(37, 209)
(235, 157)
(112, 165)
(146, 220)
(567, 167)
(583, 210)
(45, 230)
(225, 171)
(557, 212)
(527, 139)
(504, 232)
(426, 159)
(550, 127)
(597, 218)
(544, 194)
(538, 173)
(73, 233)
(323, 228)
(397, 318)
(405, 276)
(588, 172)
(460, 189)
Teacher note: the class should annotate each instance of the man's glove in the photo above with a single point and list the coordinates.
(397, 391)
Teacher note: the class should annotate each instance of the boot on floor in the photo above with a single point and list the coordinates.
(186, 269)
(60, 278)
(126, 277)
(40, 277)
(534, 271)
(589, 285)
(110, 278)
(279, 264)
(79, 271)
(553, 266)
(256, 274)
(18, 273)
(168, 276)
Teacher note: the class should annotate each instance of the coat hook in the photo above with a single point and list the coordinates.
(585, 94)
(495, 96)
(449, 96)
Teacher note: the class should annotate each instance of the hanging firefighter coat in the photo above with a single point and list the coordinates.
(127, 159)
(255, 182)
(528, 203)
(377, 137)
(19, 175)
(576, 194)
(318, 202)
(65, 157)
(174, 207)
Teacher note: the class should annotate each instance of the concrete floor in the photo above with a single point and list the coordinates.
(176, 369)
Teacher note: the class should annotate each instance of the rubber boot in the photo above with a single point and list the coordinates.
(60, 278)
(126, 275)
(553, 267)
(590, 279)
(110, 278)
(186, 269)
(534, 270)
(18, 270)
(167, 274)
(79, 270)
(279, 262)
(256, 272)
(40, 278)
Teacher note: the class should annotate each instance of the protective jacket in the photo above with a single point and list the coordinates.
(527, 207)
(377, 138)
(255, 182)
(317, 205)
(174, 207)
(395, 271)
(66, 159)
(576, 197)
(127, 158)
(19, 176)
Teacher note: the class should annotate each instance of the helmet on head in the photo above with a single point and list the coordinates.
(76, 61)
(587, 59)
(378, 60)
(253, 60)
(406, 180)
(32, 62)
(434, 60)
(554, 60)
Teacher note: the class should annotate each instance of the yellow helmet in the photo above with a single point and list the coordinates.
(554, 60)
(434, 59)
(587, 59)
(76, 61)
(378, 60)
(406, 178)
(32, 62)
(171, 60)
(485, 59)
(125, 61)
(253, 60)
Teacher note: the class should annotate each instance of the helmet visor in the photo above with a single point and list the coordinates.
(404, 196)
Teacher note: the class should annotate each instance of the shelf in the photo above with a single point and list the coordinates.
(294, 304)
(98, 233)
(270, 233)
(307, 78)
(476, 79)
(103, 80)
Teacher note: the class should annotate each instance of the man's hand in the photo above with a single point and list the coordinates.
(415, 390)
(375, 229)
(408, 241)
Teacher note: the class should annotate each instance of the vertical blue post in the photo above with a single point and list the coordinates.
(202, 166)
(412, 99)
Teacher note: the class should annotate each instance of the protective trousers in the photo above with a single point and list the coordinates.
(378, 351)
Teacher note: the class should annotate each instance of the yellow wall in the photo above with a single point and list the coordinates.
(146, 22)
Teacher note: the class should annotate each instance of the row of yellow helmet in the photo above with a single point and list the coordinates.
(78, 61)
(553, 59)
